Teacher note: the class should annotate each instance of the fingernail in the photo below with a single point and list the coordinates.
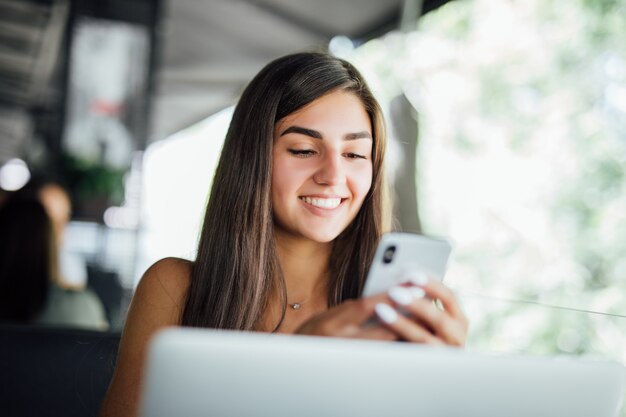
(418, 278)
(400, 295)
(416, 292)
(386, 313)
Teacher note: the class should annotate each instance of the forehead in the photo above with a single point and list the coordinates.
(336, 110)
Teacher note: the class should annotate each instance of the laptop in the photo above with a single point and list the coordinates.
(200, 372)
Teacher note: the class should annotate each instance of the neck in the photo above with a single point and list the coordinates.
(305, 267)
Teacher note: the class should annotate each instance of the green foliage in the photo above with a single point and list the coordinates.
(89, 181)
(523, 163)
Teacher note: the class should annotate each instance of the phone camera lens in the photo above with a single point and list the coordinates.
(388, 254)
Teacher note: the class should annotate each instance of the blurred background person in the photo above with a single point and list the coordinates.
(30, 289)
(58, 205)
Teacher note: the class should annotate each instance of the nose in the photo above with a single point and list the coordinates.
(331, 170)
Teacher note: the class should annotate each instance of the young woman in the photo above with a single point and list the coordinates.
(294, 216)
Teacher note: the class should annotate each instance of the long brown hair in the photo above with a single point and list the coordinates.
(237, 271)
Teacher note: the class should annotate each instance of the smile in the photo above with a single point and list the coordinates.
(324, 203)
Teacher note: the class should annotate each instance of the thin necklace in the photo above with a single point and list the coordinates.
(297, 306)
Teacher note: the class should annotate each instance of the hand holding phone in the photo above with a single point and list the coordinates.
(409, 310)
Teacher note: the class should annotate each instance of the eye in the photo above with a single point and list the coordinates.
(352, 155)
(302, 153)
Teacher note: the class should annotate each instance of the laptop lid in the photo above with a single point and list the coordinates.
(200, 372)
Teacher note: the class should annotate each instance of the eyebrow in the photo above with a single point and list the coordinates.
(317, 135)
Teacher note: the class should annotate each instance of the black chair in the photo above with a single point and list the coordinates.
(106, 284)
(48, 372)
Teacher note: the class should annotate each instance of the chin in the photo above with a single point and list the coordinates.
(320, 236)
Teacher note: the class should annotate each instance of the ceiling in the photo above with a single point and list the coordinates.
(30, 39)
(212, 48)
(207, 51)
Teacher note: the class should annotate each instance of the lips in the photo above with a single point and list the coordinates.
(328, 203)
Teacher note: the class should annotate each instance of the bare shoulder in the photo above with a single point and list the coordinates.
(157, 302)
(164, 286)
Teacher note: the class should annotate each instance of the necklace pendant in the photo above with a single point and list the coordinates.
(296, 306)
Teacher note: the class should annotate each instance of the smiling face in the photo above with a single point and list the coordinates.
(322, 167)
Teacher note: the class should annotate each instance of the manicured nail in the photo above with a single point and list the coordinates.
(416, 292)
(418, 278)
(400, 295)
(386, 313)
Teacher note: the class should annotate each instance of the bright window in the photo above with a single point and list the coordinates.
(522, 163)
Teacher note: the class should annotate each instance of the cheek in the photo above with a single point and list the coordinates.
(286, 177)
(361, 181)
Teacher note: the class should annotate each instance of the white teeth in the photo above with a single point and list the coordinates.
(327, 203)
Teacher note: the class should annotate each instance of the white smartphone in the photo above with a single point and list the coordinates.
(398, 254)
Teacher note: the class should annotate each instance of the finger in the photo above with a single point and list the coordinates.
(436, 290)
(358, 312)
(451, 330)
(407, 329)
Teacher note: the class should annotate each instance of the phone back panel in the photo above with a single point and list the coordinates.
(411, 253)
